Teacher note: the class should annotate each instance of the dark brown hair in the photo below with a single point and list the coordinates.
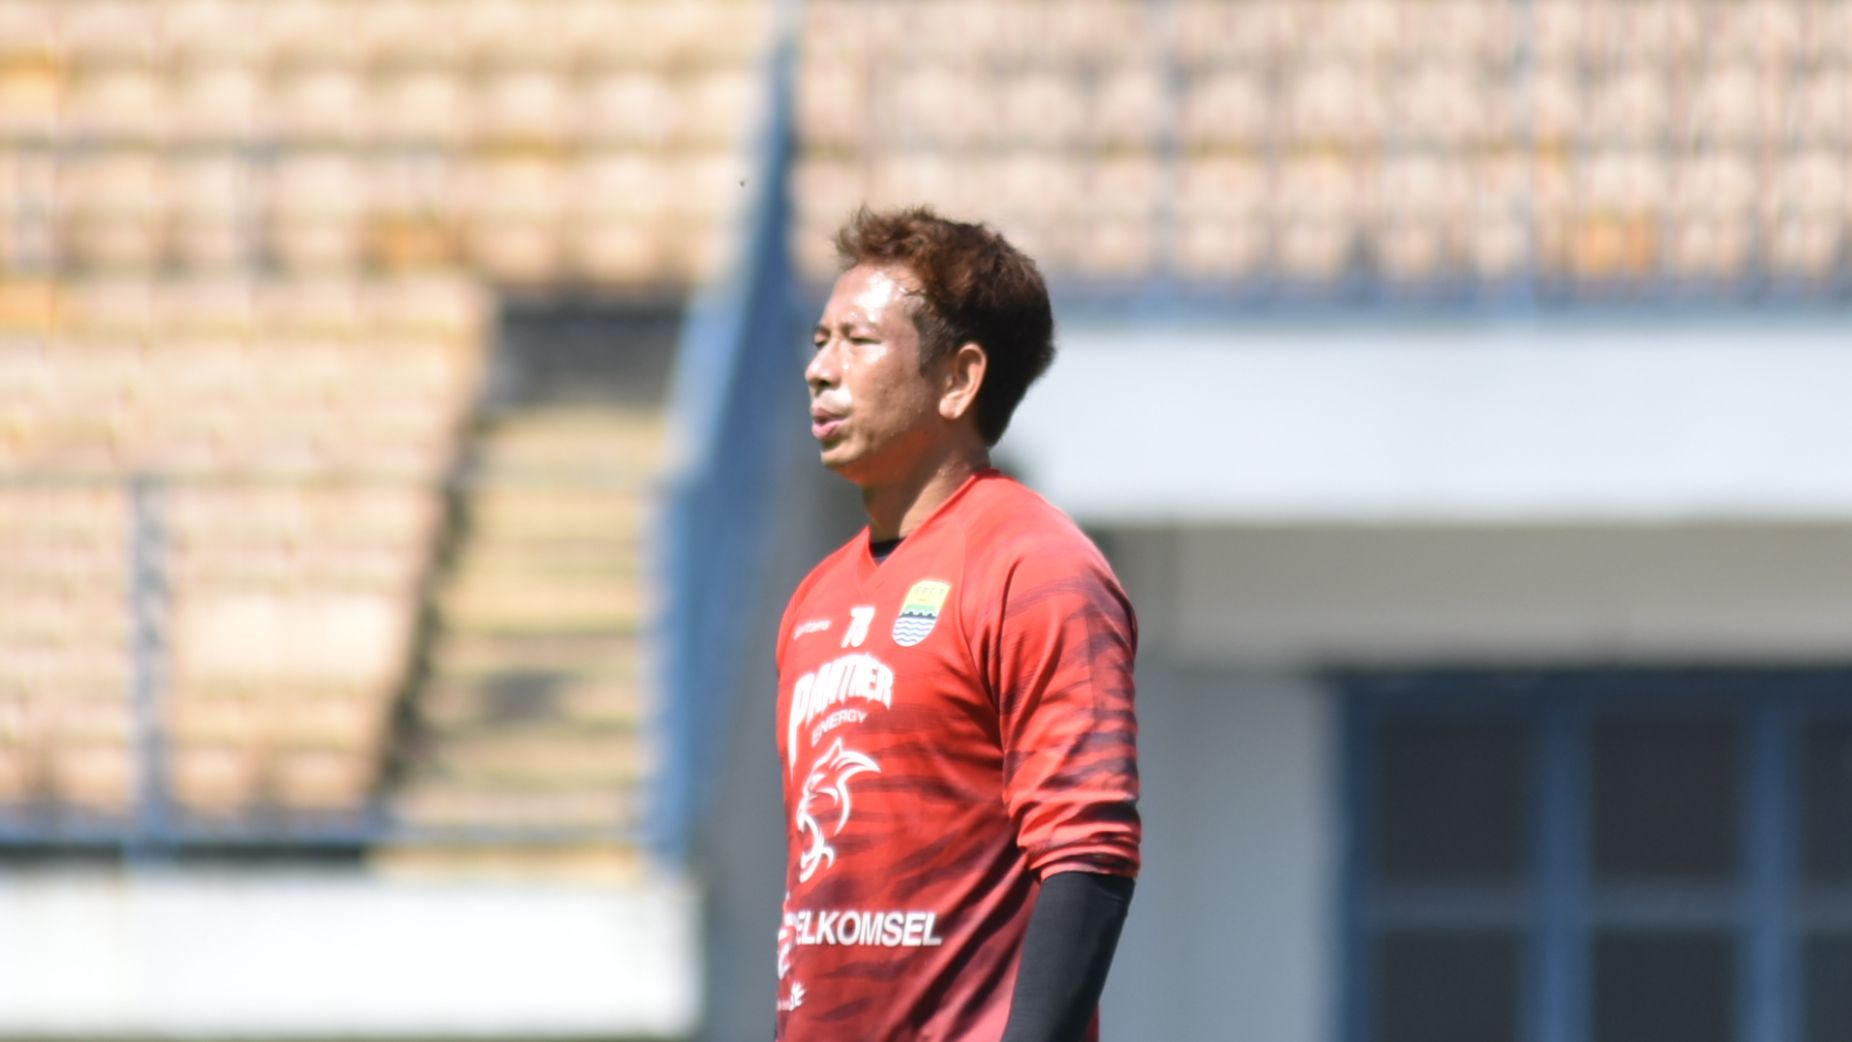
(974, 288)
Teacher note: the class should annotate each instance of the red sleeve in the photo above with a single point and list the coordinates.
(1060, 661)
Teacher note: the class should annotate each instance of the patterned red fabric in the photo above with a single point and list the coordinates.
(955, 723)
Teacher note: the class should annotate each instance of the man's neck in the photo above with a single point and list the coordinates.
(897, 508)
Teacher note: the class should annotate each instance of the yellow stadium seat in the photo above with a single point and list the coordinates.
(1227, 108)
(321, 780)
(1765, 30)
(318, 206)
(515, 206)
(32, 89)
(126, 305)
(1106, 32)
(719, 105)
(1126, 185)
(1410, 250)
(1811, 182)
(99, 778)
(1218, 247)
(1467, 31)
(1131, 106)
(220, 101)
(1808, 246)
(221, 307)
(1820, 104)
(832, 104)
(1555, 104)
(1729, 103)
(214, 31)
(1629, 106)
(116, 202)
(19, 781)
(419, 105)
(448, 307)
(828, 185)
(1211, 31)
(30, 28)
(1559, 29)
(510, 31)
(927, 106)
(1331, 102)
(1313, 248)
(320, 104)
(811, 245)
(110, 30)
(1042, 184)
(1116, 247)
(1231, 185)
(1714, 180)
(708, 184)
(118, 102)
(216, 202)
(628, 106)
(213, 718)
(523, 105)
(414, 33)
(1496, 244)
(300, 32)
(348, 723)
(1042, 108)
(1421, 184)
(1708, 246)
(212, 779)
(331, 306)
(1625, 181)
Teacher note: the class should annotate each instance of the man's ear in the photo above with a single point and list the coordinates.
(964, 377)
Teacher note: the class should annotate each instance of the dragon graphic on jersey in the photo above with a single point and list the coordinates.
(828, 778)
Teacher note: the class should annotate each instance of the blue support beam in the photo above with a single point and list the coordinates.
(1766, 1012)
(151, 837)
(737, 380)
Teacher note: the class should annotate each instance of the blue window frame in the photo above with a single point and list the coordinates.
(1614, 856)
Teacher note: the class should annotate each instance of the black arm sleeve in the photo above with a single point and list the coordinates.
(1069, 947)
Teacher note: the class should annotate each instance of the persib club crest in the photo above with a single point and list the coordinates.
(920, 611)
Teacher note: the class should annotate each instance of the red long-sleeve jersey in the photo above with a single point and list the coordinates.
(955, 723)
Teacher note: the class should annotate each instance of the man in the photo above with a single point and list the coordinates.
(955, 683)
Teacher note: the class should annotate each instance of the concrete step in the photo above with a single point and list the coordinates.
(503, 511)
(468, 656)
(537, 758)
(448, 707)
(435, 805)
(541, 608)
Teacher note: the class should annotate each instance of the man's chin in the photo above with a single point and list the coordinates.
(842, 460)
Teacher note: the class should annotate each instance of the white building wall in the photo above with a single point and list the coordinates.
(1570, 420)
(1620, 593)
(1232, 934)
(1228, 929)
(206, 955)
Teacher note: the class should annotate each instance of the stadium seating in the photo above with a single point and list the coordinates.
(245, 252)
(246, 248)
(1315, 144)
(298, 432)
(378, 136)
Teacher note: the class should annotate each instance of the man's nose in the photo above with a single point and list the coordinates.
(821, 372)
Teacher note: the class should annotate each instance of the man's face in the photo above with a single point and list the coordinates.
(871, 409)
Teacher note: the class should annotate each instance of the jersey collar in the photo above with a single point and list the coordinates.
(865, 558)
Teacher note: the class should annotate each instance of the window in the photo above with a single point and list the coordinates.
(1599, 857)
